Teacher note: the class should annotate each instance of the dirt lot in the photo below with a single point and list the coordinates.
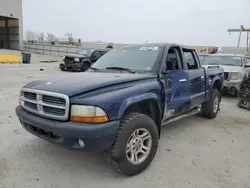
(194, 152)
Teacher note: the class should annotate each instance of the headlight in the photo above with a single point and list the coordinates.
(88, 114)
(77, 60)
(236, 76)
(63, 57)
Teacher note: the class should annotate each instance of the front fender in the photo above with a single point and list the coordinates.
(135, 99)
(215, 79)
(212, 84)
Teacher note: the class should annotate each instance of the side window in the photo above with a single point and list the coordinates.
(103, 52)
(173, 61)
(190, 60)
(97, 54)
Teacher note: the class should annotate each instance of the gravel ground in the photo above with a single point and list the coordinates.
(194, 152)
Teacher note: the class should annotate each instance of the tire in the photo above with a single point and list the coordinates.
(120, 154)
(248, 106)
(75, 69)
(209, 110)
(239, 104)
(62, 69)
(85, 67)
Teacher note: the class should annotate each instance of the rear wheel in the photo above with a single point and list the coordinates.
(240, 103)
(210, 108)
(248, 106)
(136, 144)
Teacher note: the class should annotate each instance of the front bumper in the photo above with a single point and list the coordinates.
(231, 86)
(96, 137)
(66, 66)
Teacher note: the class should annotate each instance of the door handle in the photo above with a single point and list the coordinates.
(202, 77)
(183, 80)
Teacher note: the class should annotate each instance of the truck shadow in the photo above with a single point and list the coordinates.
(87, 164)
(71, 162)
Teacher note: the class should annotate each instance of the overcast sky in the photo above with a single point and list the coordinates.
(192, 22)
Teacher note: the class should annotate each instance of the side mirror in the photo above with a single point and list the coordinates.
(247, 65)
(164, 71)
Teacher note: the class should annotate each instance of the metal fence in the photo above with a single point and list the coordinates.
(54, 50)
(61, 50)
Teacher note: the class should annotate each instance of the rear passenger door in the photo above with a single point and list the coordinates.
(196, 77)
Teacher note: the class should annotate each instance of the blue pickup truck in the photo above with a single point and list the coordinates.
(120, 104)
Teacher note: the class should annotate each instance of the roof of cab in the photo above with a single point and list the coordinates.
(224, 54)
(161, 44)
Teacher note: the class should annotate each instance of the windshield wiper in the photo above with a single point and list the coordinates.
(121, 68)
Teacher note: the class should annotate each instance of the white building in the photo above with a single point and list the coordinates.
(11, 24)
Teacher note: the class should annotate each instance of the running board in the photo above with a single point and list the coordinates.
(191, 113)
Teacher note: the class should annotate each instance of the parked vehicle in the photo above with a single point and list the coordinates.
(130, 94)
(82, 61)
(236, 68)
(203, 57)
(244, 94)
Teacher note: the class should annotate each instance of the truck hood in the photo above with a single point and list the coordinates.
(79, 83)
(224, 67)
(77, 55)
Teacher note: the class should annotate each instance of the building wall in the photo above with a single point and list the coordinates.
(13, 9)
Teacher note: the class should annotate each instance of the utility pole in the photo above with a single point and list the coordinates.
(242, 29)
(248, 42)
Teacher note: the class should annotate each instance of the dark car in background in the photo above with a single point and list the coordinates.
(82, 61)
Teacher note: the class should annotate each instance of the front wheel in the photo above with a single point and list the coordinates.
(85, 66)
(210, 108)
(136, 144)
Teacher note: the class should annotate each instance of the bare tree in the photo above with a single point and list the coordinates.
(51, 37)
(40, 37)
(30, 35)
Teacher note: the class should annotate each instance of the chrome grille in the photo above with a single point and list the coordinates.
(69, 60)
(28, 95)
(47, 104)
(54, 100)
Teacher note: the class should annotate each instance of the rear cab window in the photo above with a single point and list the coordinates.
(190, 59)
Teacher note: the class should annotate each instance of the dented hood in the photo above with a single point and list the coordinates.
(78, 83)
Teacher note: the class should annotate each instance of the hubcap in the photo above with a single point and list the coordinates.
(216, 104)
(139, 146)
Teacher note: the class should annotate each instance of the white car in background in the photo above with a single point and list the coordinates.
(236, 68)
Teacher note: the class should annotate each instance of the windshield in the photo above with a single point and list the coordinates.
(136, 58)
(224, 60)
(203, 58)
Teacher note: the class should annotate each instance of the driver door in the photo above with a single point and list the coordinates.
(177, 83)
